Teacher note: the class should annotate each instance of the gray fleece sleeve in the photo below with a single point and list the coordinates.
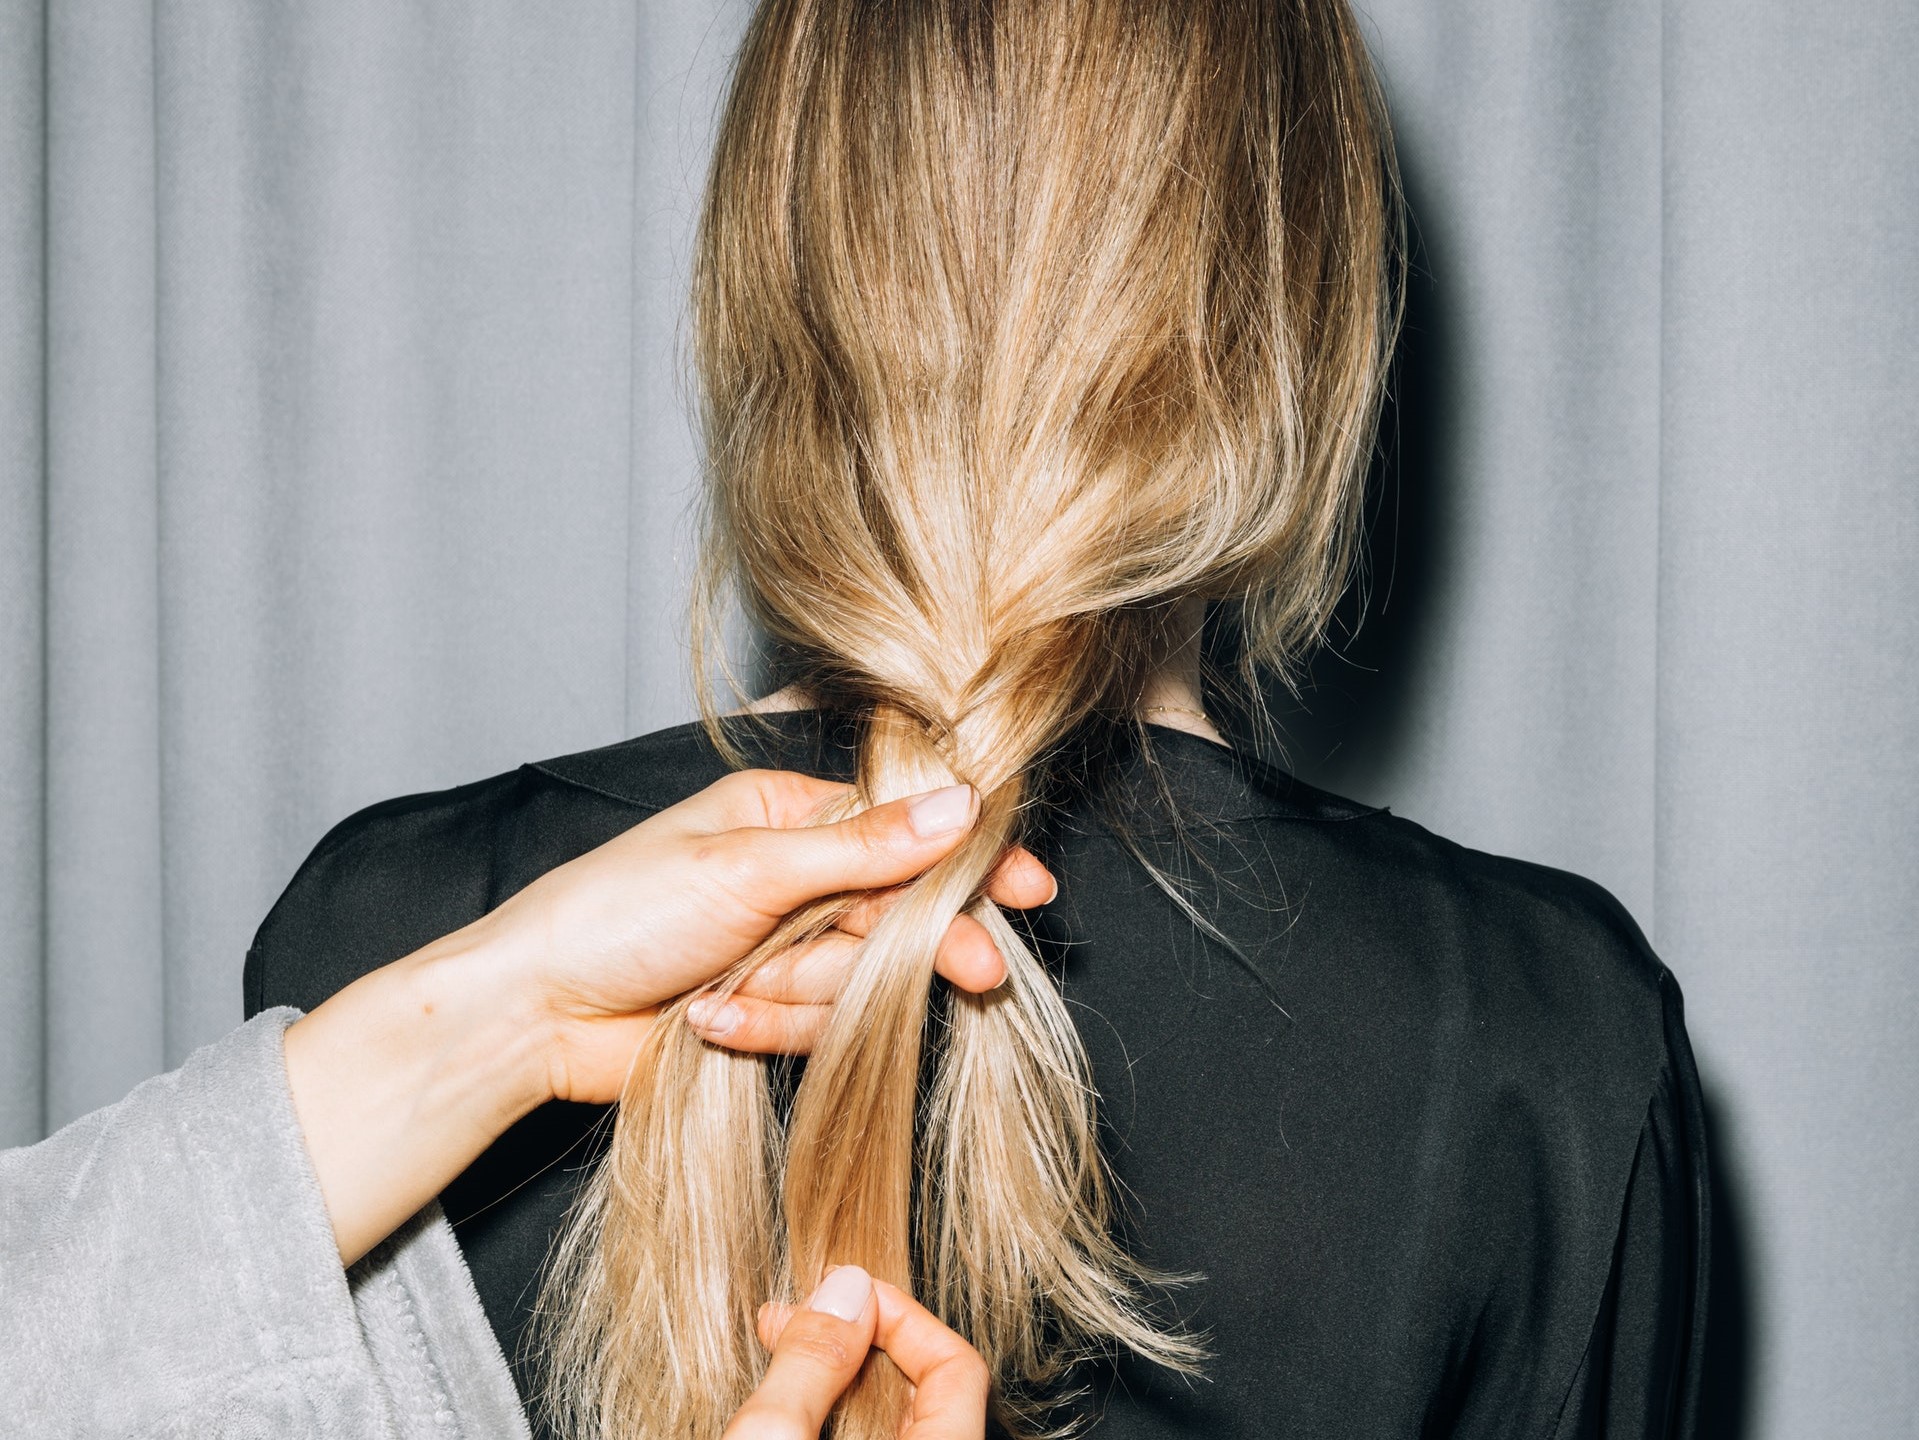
(167, 1269)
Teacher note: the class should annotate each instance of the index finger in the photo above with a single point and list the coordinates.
(950, 1380)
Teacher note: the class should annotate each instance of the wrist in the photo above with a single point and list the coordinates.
(478, 1017)
(577, 1030)
(403, 1078)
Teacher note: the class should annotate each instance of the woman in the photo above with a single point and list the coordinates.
(1032, 336)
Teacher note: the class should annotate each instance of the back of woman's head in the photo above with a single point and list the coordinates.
(1019, 323)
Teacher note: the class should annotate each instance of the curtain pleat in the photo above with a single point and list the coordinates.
(23, 728)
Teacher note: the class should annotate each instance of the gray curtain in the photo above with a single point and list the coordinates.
(345, 455)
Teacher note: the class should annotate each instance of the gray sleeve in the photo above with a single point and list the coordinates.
(167, 1269)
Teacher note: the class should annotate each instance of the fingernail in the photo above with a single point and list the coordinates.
(941, 812)
(843, 1294)
(1055, 895)
(715, 1017)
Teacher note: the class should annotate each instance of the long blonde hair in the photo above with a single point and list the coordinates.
(1018, 323)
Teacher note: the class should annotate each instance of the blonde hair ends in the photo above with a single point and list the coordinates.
(1018, 323)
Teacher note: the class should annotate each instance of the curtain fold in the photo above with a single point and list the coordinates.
(104, 877)
(22, 571)
(344, 453)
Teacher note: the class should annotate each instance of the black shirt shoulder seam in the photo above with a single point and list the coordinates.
(541, 767)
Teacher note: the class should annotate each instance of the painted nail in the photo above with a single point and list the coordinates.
(843, 1294)
(941, 812)
(714, 1017)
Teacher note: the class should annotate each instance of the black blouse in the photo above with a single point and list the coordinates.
(1432, 1137)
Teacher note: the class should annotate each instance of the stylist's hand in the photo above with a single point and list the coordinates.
(670, 904)
(401, 1079)
(818, 1349)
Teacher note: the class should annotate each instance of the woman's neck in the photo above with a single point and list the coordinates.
(1171, 695)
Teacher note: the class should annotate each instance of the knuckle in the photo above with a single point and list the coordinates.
(875, 836)
(793, 791)
(777, 976)
(761, 782)
(779, 798)
(819, 1346)
(737, 788)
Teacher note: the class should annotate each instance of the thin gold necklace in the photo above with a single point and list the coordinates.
(1198, 715)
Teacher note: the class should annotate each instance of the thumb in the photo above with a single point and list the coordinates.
(818, 1352)
(883, 846)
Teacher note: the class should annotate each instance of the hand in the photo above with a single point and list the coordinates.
(602, 941)
(404, 1077)
(819, 1349)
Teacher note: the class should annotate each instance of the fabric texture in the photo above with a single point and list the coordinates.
(167, 1269)
(1432, 1136)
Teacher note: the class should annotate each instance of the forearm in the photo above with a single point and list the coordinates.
(403, 1078)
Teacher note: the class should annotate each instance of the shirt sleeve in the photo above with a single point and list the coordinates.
(1640, 1375)
(167, 1268)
